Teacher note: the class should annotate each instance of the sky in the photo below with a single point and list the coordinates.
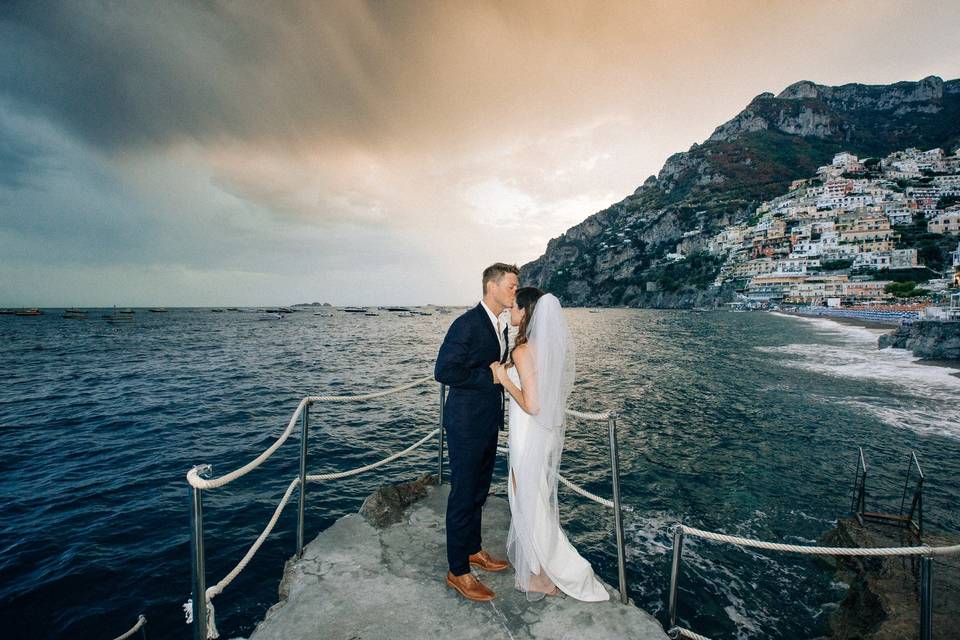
(250, 153)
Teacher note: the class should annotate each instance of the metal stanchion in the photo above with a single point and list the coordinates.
(443, 399)
(197, 558)
(617, 514)
(675, 574)
(926, 598)
(305, 426)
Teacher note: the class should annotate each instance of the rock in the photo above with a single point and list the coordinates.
(357, 581)
(386, 505)
(749, 159)
(926, 339)
(882, 602)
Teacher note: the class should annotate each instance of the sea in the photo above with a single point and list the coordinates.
(742, 423)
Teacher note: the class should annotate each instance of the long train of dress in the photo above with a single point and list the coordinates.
(566, 568)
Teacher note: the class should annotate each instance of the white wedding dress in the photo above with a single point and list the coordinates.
(539, 550)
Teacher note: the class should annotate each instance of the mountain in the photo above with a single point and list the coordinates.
(618, 256)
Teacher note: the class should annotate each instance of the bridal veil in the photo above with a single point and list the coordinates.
(535, 526)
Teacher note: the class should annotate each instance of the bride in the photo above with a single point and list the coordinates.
(539, 385)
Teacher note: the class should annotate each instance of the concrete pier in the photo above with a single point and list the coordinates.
(360, 581)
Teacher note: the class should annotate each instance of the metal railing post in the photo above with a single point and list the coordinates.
(443, 399)
(617, 513)
(675, 574)
(198, 559)
(304, 428)
(926, 598)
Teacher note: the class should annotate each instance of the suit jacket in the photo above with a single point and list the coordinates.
(475, 403)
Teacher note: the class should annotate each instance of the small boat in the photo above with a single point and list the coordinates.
(399, 309)
(75, 314)
(217, 310)
(423, 313)
(233, 309)
(271, 316)
(404, 314)
(124, 312)
(354, 309)
(28, 312)
(371, 313)
(158, 310)
(594, 310)
(323, 314)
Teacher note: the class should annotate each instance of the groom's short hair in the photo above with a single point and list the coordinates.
(496, 271)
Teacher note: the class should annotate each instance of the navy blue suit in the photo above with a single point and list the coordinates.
(472, 417)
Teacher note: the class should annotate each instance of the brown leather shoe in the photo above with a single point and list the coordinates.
(469, 587)
(483, 560)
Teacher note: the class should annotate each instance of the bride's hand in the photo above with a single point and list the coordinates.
(500, 373)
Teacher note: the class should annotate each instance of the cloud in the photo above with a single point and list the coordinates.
(369, 152)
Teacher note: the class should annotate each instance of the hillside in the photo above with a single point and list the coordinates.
(612, 257)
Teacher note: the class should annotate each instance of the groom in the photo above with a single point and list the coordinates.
(475, 343)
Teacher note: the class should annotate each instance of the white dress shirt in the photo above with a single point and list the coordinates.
(497, 327)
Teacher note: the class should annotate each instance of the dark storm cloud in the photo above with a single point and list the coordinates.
(131, 74)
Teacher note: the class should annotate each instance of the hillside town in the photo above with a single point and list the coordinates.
(840, 239)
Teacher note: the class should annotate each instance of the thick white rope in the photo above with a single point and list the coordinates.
(680, 632)
(823, 551)
(589, 416)
(141, 620)
(346, 474)
(583, 492)
(218, 588)
(370, 396)
(193, 476)
(577, 489)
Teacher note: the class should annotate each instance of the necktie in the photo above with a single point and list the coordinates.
(506, 344)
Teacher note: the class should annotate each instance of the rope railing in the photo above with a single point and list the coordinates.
(218, 588)
(199, 483)
(193, 476)
(578, 489)
(927, 553)
(922, 550)
(141, 620)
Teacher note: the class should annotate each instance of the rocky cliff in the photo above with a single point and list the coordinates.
(926, 339)
(618, 256)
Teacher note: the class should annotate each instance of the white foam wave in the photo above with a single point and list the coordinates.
(909, 394)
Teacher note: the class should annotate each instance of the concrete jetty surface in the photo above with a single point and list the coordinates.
(357, 581)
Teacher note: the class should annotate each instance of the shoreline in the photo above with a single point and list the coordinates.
(853, 322)
(880, 326)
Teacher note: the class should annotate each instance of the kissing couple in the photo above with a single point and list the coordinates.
(475, 362)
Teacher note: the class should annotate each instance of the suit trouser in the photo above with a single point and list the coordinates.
(471, 470)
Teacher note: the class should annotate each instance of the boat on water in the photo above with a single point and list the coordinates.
(354, 309)
(217, 310)
(404, 314)
(75, 314)
(594, 310)
(271, 316)
(323, 314)
(28, 312)
(158, 310)
(371, 313)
